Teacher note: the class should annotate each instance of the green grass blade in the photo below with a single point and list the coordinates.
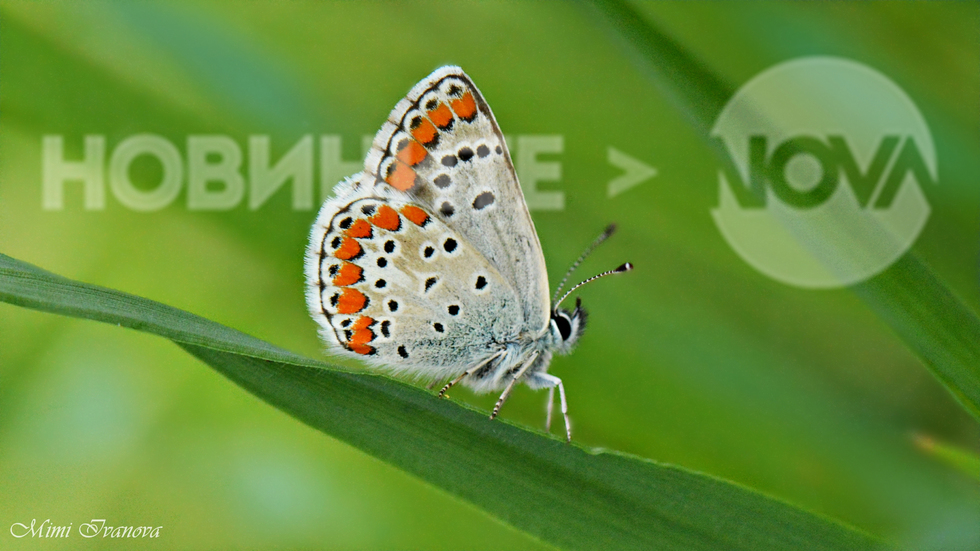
(963, 460)
(560, 493)
(933, 322)
(693, 88)
(26, 285)
(920, 308)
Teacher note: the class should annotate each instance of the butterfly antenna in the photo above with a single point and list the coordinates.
(623, 268)
(588, 250)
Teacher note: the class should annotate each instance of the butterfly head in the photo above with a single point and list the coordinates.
(567, 326)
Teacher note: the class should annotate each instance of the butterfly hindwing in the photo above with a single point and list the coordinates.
(442, 149)
(400, 288)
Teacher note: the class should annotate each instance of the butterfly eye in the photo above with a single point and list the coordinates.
(564, 325)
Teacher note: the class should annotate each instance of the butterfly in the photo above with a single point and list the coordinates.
(427, 263)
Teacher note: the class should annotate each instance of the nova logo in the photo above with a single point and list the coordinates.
(823, 184)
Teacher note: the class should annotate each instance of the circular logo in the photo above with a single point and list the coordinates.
(826, 161)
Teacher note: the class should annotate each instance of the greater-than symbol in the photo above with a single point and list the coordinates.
(637, 172)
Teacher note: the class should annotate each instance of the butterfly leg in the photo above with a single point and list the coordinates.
(510, 386)
(546, 379)
(452, 383)
(551, 406)
(468, 372)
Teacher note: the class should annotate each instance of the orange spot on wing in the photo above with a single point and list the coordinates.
(415, 214)
(441, 115)
(362, 335)
(465, 106)
(424, 133)
(351, 301)
(362, 322)
(349, 248)
(360, 228)
(412, 154)
(402, 177)
(361, 349)
(386, 218)
(348, 274)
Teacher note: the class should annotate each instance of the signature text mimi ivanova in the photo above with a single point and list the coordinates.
(92, 529)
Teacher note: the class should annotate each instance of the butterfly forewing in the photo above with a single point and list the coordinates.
(441, 148)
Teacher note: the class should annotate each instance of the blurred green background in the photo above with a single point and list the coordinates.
(694, 359)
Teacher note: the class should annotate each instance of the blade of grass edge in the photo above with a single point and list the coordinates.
(923, 311)
(559, 493)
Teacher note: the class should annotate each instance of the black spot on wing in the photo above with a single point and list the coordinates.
(483, 200)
